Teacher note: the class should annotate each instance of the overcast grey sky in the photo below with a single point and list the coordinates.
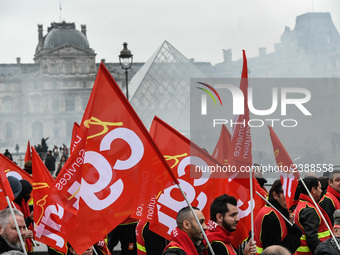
(199, 29)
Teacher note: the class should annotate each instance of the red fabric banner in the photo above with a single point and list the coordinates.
(28, 156)
(11, 169)
(289, 174)
(240, 149)
(75, 138)
(5, 189)
(47, 214)
(222, 147)
(115, 170)
(185, 159)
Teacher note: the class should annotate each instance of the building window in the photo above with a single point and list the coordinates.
(8, 104)
(55, 104)
(69, 104)
(84, 102)
(68, 66)
(9, 131)
(36, 104)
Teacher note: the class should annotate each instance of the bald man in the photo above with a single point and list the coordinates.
(186, 238)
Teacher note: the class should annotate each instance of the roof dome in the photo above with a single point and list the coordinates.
(65, 33)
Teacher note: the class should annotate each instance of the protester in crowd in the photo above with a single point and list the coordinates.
(15, 185)
(329, 247)
(270, 226)
(148, 242)
(50, 162)
(61, 164)
(331, 200)
(276, 250)
(224, 220)
(8, 155)
(324, 185)
(308, 218)
(28, 167)
(125, 233)
(187, 237)
(9, 238)
(56, 152)
(260, 179)
(21, 203)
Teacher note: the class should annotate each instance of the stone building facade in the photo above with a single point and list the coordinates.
(44, 99)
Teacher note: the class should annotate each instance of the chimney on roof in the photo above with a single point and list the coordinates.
(83, 29)
(40, 33)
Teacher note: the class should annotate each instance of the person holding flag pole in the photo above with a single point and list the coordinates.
(314, 222)
(7, 192)
(271, 224)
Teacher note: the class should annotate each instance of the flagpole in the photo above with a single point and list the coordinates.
(198, 222)
(251, 205)
(16, 225)
(94, 250)
(291, 224)
(323, 217)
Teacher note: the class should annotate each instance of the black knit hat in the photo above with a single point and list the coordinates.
(15, 185)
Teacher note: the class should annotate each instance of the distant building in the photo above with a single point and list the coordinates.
(44, 99)
(310, 50)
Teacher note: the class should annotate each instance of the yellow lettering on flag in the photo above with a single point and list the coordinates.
(95, 121)
(175, 158)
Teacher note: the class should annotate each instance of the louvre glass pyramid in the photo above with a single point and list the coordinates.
(162, 86)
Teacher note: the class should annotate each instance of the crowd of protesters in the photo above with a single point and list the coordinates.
(310, 226)
(305, 228)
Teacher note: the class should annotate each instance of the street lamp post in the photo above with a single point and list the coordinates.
(125, 60)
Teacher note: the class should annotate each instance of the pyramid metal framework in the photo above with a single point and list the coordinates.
(162, 88)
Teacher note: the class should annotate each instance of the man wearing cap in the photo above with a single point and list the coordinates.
(9, 238)
(329, 246)
(331, 200)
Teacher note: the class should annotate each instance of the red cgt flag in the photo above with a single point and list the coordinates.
(201, 186)
(11, 169)
(75, 138)
(47, 214)
(240, 148)
(28, 156)
(240, 188)
(222, 147)
(289, 174)
(6, 190)
(240, 157)
(115, 170)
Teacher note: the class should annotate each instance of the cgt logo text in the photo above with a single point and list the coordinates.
(300, 97)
